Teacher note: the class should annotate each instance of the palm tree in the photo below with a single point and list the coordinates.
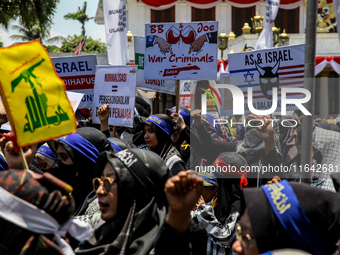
(81, 16)
(28, 11)
(34, 32)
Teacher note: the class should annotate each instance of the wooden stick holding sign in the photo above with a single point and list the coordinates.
(23, 159)
(178, 84)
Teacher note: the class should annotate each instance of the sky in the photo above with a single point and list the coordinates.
(62, 27)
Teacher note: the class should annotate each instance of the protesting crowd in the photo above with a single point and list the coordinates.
(88, 168)
(174, 183)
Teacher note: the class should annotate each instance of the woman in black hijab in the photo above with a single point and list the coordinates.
(78, 154)
(131, 199)
(158, 129)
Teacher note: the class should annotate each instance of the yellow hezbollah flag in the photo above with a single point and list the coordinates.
(33, 94)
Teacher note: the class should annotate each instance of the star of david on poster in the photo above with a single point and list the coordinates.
(246, 77)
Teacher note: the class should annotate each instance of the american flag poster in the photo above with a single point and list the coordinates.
(264, 70)
(79, 47)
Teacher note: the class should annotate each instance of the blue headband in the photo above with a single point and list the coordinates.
(287, 209)
(3, 164)
(115, 146)
(210, 177)
(162, 124)
(184, 114)
(240, 129)
(83, 146)
(46, 151)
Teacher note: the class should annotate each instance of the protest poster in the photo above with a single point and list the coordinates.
(187, 93)
(116, 86)
(33, 94)
(181, 51)
(264, 70)
(116, 30)
(265, 39)
(78, 73)
(75, 99)
(163, 86)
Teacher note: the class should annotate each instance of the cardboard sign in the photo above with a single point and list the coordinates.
(164, 86)
(75, 99)
(34, 95)
(78, 73)
(264, 70)
(187, 93)
(116, 86)
(181, 51)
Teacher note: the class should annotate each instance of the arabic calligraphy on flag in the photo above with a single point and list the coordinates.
(34, 95)
(266, 69)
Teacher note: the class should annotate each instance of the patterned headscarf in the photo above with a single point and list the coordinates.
(44, 192)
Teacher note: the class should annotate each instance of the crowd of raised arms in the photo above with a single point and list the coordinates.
(174, 183)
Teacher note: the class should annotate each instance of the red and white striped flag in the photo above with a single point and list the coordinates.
(79, 47)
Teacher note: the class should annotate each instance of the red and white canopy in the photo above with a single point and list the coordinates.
(205, 4)
(321, 62)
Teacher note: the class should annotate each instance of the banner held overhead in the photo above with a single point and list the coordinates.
(164, 86)
(78, 74)
(115, 30)
(265, 40)
(116, 86)
(264, 70)
(181, 51)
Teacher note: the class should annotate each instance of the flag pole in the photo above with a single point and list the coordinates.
(177, 95)
(309, 83)
(23, 159)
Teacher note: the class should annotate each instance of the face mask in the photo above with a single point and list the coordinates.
(66, 173)
(126, 137)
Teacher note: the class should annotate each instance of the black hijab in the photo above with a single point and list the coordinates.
(321, 207)
(80, 174)
(229, 187)
(140, 204)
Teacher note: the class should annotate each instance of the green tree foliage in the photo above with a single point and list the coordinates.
(1, 44)
(29, 12)
(53, 49)
(93, 46)
(81, 16)
(34, 32)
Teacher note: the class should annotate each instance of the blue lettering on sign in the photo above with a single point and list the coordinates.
(88, 97)
(80, 66)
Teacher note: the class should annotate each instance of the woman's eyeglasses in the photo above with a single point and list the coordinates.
(106, 182)
(246, 240)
